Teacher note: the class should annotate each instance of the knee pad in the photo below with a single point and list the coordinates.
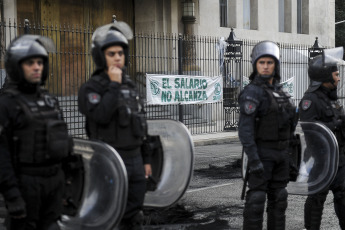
(255, 202)
(318, 199)
(278, 195)
(256, 197)
(254, 210)
(277, 200)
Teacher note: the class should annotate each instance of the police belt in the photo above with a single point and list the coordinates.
(45, 171)
(273, 144)
(129, 153)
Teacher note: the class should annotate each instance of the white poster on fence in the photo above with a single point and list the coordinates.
(182, 89)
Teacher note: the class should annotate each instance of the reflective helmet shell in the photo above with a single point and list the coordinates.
(104, 37)
(265, 49)
(20, 49)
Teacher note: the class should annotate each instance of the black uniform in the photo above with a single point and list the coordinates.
(265, 125)
(33, 142)
(115, 115)
(321, 106)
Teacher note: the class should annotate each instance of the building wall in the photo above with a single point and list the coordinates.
(321, 22)
(165, 16)
(159, 16)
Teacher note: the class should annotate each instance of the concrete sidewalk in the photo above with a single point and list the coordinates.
(214, 138)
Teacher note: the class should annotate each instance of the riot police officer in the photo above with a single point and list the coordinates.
(33, 138)
(319, 104)
(266, 121)
(115, 114)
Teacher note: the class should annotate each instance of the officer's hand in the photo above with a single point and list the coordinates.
(338, 124)
(342, 118)
(16, 208)
(256, 167)
(115, 74)
(148, 170)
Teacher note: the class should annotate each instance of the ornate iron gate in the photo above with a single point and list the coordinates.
(233, 81)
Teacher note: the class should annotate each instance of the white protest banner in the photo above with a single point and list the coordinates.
(183, 89)
(288, 85)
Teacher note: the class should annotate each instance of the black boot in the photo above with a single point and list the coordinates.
(136, 222)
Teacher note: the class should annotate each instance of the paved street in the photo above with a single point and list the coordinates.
(212, 201)
(213, 198)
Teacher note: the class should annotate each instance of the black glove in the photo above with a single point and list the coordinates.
(342, 117)
(256, 167)
(338, 124)
(16, 207)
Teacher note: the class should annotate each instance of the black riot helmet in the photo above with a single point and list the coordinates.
(321, 67)
(117, 33)
(22, 48)
(266, 49)
(319, 72)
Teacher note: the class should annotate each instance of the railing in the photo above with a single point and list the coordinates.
(169, 54)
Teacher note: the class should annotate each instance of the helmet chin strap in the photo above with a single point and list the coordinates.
(333, 93)
(332, 82)
(266, 77)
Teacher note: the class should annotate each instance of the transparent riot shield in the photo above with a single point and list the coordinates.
(317, 160)
(172, 163)
(104, 188)
(334, 56)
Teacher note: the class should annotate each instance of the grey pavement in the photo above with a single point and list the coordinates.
(224, 147)
(214, 138)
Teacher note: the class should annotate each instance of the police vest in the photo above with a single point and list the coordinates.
(43, 138)
(332, 111)
(128, 126)
(276, 124)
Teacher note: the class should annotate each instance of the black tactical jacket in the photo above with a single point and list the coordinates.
(32, 134)
(318, 106)
(114, 113)
(266, 117)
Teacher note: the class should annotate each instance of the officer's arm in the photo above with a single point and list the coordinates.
(310, 110)
(8, 180)
(248, 111)
(99, 107)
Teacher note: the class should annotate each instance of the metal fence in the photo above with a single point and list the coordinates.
(170, 54)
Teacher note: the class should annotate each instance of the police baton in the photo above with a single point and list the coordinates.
(244, 184)
(245, 178)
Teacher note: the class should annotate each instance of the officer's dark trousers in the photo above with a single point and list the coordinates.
(136, 186)
(313, 207)
(271, 184)
(43, 197)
